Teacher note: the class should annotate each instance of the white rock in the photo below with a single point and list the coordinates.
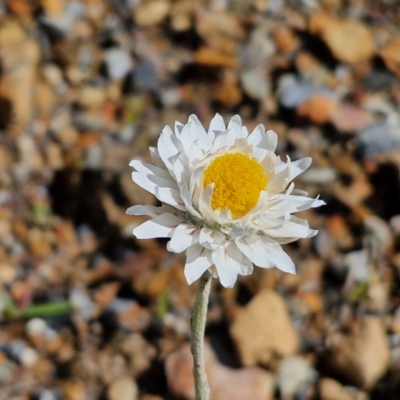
(28, 357)
(254, 83)
(358, 264)
(118, 62)
(36, 326)
(293, 373)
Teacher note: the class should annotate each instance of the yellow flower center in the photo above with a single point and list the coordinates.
(239, 180)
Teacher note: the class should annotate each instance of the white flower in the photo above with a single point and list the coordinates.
(227, 199)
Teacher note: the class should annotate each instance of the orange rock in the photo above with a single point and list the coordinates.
(5, 158)
(330, 389)
(228, 91)
(65, 232)
(362, 355)
(223, 22)
(181, 14)
(355, 194)
(314, 71)
(349, 118)
(318, 108)
(106, 293)
(214, 58)
(17, 84)
(285, 39)
(88, 139)
(53, 7)
(158, 283)
(225, 383)
(74, 390)
(151, 13)
(312, 300)
(336, 225)
(228, 95)
(151, 397)
(349, 40)
(186, 92)
(18, 290)
(390, 54)
(91, 97)
(44, 98)
(306, 61)
(38, 243)
(262, 331)
(220, 30)
(8, 273)
(134, 317)
(331, 6)
(20, 7)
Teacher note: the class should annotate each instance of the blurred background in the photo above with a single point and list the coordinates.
(88, 312)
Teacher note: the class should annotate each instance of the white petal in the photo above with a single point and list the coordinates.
(205, 201)
(178, 128)
(238, 229)
(227, 260)
(193, 131)
(281, 260)
(254, 249)
(290, 189)
(217, 125)
(188, 136)
(197, 125)
(149, 169)
(169, 196)
(257, 135)
(270, 140)
(187, 200)
(221, 141)
(204, 141)
(262, 201)
(291, 204)
(268, 164)
(210, 239)
(155, 158)
(260, 155)
(291, 229)
(279, 182)
(152, 211)
(299, 166)
(196, 153)
(160, 226)
(179, 169)
(246, 266)
(198, 260)
(267, 222)
(183, 237)
(152, 182)
(168, 145)
(235, 127)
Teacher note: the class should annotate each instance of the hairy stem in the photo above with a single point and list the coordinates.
(197, 344)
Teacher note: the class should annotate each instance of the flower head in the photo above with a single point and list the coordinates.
(227, 199)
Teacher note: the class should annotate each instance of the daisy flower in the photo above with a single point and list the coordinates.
(226, 199)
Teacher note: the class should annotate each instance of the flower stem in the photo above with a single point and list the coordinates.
(197, 344)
